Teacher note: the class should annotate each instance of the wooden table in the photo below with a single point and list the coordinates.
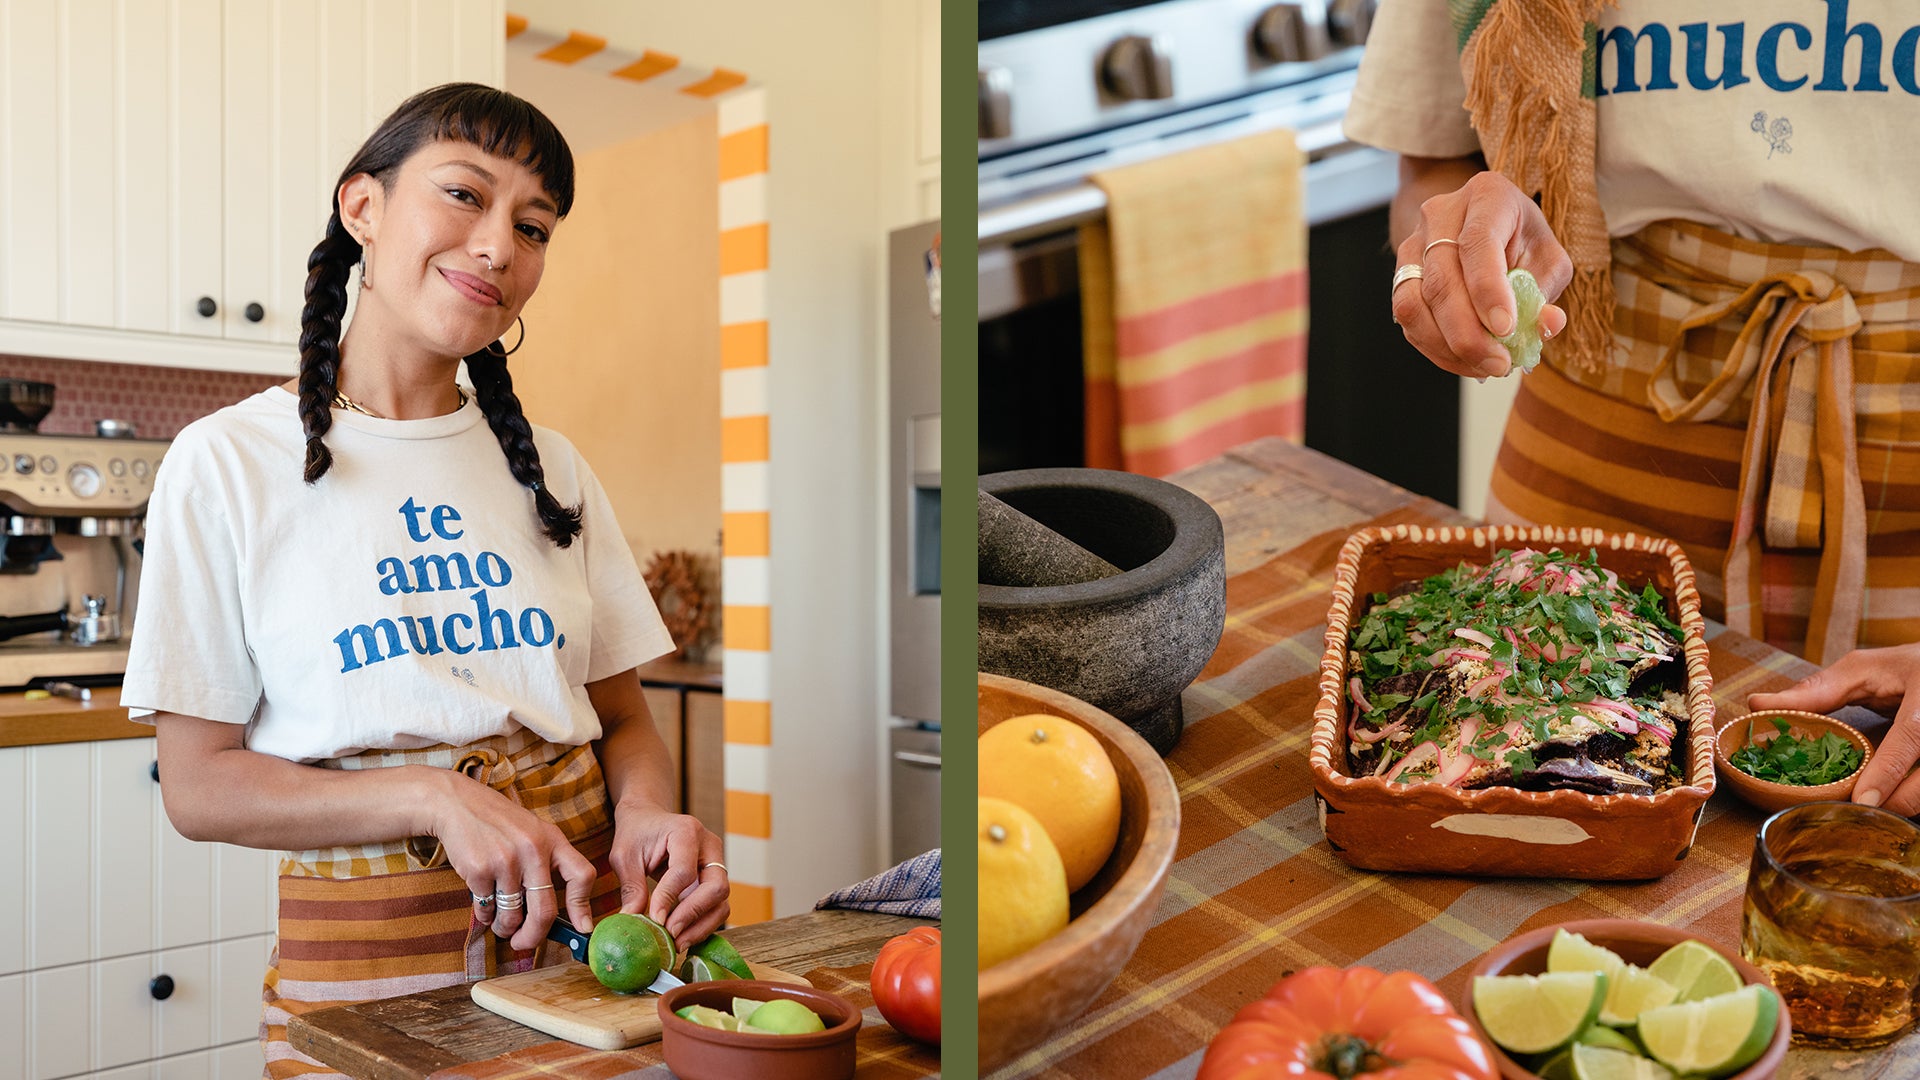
(408, 1038)
(1255, 891)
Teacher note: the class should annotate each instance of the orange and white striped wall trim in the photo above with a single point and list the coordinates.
(745, 448)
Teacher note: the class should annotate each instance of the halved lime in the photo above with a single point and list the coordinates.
(1696, 970)
(1532, 1014)
(1607, 1038)
(1523, 344)
(743, 1008)
(719, 951)
(1600, 1063)
(1632, 991)
(1716, 1036)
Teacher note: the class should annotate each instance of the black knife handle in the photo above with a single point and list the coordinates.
(575, 941)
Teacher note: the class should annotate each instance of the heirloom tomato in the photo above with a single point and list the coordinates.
(1336, 1024)
(906, 983)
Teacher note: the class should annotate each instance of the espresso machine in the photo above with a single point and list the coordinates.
(71, 510)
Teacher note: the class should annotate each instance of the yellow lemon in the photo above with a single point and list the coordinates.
(1023, 890)
(1055, 770)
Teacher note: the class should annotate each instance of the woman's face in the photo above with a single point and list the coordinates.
(459, 241)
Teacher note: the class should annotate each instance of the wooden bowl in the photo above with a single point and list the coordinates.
(696, 1052)
(1637, 943)
(1028, 997)
(1766, 794)
(1375, 824)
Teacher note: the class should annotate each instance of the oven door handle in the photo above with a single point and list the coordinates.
(1331, 158)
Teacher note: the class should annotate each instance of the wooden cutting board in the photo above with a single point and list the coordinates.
(567, 1002)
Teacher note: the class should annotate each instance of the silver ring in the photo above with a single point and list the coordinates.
(1409, 272)
(489, 259)
(537, 888)
(1437, 243)
(721, 865)
(481, 901)
(510, 901)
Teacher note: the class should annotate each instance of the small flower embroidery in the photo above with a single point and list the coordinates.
(1776, 133)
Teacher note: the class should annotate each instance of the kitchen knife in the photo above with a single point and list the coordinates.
(563, 932)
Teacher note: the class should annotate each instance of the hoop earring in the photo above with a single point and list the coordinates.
(366, 279)
(522, 340)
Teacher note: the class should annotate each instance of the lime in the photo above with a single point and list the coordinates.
(1523, 344)
(707, 1016)
(1531, 1014)
(1605, 1037)
(785, 1016)
(719, 951)
(1557, 1067)
(1600, 1063)
(743, 1008)
(1696, 970)
(1715, 1036)
(700, 969)
(1631, 992)
(627, 952)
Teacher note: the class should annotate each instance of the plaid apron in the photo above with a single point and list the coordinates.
(381, 920)
(1763, 410)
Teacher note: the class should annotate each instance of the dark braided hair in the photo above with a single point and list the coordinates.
(498, 123)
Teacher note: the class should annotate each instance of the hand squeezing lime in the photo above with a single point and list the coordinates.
(1523, 344)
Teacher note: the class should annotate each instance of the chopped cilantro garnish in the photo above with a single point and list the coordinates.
(1790, 759)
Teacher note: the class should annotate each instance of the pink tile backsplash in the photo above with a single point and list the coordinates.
(159, 401)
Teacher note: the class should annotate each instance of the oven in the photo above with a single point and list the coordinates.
(1070, 87)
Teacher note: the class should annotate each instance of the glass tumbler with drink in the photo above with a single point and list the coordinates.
(1832, 915)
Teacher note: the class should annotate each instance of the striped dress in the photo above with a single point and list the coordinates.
(382, 920)
(1763, 410)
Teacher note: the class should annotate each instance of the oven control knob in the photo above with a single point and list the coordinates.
(996, 102)
(1348, 21)
(1285, 34)
(1138, 68)
(84, 480)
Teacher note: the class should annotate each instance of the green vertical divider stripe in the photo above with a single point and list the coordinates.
(959, 507)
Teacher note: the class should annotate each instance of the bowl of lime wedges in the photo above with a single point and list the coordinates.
(1616, 999)
(730, 1029)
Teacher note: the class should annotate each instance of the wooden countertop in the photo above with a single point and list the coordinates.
(681, 673)
(410, 1037)
(38, 722)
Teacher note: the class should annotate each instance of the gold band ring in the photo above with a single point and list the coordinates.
(1437, 243)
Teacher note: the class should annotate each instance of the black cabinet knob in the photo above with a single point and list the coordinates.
(155, 772)
(161, 987)
(255, 313)
(206, 307)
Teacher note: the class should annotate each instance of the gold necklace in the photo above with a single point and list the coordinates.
(342, 401)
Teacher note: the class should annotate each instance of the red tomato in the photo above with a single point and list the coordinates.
(1336, 1024)
(906, 983)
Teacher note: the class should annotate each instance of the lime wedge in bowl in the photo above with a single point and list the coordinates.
(1532, 1014)
(1714, 1036)
(1600, 1063)
(1696, 970)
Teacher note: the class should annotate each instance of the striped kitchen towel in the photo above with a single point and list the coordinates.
(1194, 300)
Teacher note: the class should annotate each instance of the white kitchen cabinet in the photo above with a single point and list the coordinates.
(167, 167)
(909, 114)
(113, 899)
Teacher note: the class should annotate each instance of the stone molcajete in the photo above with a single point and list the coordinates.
(1108, 586)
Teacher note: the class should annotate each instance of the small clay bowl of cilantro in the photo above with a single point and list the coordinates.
(1779, 758)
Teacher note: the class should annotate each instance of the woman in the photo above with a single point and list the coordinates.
(370, 642)
(1735, 341)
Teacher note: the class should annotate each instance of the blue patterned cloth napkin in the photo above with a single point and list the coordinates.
(911, 888)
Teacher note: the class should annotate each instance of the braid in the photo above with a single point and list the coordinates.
(327, 269)
(493, 388)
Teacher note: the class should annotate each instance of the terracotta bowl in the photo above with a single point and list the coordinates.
(695, 1052)
(1375, 824)
(1028, 997)
(1637, 943)
(1766, 794)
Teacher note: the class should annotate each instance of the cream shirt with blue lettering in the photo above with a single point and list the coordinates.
(1787, 121)
(409, 598)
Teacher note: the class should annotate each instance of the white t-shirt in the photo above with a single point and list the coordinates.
(409, 598)
(1787, 121)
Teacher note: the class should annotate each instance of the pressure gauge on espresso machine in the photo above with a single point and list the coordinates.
(84, 480)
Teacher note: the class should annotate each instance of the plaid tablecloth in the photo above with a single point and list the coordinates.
(882, 1053)
(1255, 892)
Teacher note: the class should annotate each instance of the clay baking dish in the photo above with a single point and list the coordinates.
(695, 1052)
(1638, 943)
(1505, 832)
(1766, 794)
